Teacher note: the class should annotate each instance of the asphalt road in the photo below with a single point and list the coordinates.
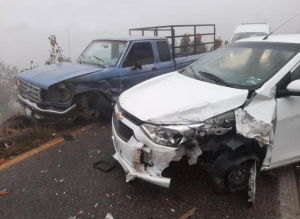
(71, 185)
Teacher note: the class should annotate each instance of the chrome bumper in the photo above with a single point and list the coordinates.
(37, 109)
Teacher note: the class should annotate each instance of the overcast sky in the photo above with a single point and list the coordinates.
(26, 24)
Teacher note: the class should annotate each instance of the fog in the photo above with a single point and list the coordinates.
(26, 25)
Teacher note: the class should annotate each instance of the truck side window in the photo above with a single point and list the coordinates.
(140, 53)
(163, 50)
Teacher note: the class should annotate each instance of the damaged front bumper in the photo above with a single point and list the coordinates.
(38, 113)
(133, 171)
(141, 158)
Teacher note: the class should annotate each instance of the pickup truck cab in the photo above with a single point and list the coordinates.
(92, 85)
(236, 109)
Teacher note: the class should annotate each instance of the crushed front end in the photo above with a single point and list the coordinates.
(142, 157)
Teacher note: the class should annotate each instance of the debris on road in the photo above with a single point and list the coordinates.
(4, 192)
(173, 210)
(109, 216)
(80, 213)
(189, 213)
(2, 160)
(72, 217)
(96, 205)
(61, 180)
(67, 136)
(104, 166)
(128, 196)
(113, 194)
(107, 195)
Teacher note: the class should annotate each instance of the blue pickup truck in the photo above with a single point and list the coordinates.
(90, 87)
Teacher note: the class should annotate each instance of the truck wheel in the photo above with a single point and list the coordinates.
(230, 172)
(97, 101)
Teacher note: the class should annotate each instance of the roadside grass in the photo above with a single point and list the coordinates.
(40, 136)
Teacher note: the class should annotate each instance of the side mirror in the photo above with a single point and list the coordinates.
(293, 89)
(294, 86)
(137, 66)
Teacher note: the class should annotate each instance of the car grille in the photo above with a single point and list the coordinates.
(122, 130)
(129, 116)
(33, 92)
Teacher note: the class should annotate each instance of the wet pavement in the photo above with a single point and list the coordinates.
(60, 182)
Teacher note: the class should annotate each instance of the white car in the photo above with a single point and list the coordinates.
(238, 107)
(247, 30)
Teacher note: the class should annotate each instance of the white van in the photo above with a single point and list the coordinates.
(247, 30)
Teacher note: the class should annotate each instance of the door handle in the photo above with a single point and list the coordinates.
(154, 68)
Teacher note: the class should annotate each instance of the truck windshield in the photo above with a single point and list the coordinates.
(105, 53)
(245, 65)
(239, 36)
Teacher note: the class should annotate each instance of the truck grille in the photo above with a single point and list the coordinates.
(122, 130)
(33, 92)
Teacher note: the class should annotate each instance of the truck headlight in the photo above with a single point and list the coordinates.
(171, 135)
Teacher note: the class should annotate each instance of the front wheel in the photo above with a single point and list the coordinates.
(231, 171)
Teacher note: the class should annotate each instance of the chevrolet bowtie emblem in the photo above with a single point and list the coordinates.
(118, 116)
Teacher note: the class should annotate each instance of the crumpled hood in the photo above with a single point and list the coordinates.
(176, 99)
(45, 76)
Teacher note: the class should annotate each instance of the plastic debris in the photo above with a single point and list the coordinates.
(53, 134)
(67, 136)
(187, 214)
(109, 216)
(97, 152)
(3, 192)
(107, 195)
(173, 210)
(113, 194)
(103, 127)
(59, 150)
(72, 217)
(96, 205)
(128, 196)
(104, 166)
(56, 193)
(80, 213)
(64, 193)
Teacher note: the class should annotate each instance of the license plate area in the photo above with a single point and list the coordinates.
(28, 111)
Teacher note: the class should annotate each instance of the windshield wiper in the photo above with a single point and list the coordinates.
(214, 78)
(103, 62)
(195, 76)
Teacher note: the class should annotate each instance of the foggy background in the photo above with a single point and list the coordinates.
(26, 25)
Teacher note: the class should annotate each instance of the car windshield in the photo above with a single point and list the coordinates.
(245, 65)
(105, 53)
(239, 36)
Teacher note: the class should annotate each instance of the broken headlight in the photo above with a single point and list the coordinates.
(171, 135)
(60, 92)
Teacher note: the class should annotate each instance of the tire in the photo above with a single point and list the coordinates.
(230, 172)
(105, 109)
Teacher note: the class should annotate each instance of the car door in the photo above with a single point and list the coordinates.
(140, 53)
(287, 134)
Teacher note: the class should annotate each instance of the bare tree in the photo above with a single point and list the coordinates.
(8, 91)
(56, 52)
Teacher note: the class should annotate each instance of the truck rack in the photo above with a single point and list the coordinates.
(172, 34)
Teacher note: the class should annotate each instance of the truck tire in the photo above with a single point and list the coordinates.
(97, 101)
(230, 172)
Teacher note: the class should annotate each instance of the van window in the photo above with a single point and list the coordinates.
(164, 51)
(140, 53)
(239, 36)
